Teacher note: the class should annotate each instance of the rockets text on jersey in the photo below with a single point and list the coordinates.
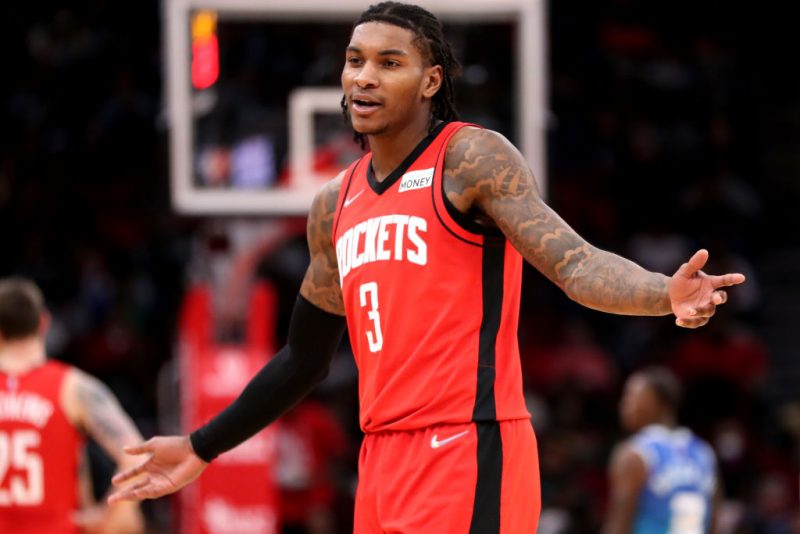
(368, 241)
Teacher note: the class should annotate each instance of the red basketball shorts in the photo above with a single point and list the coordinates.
(473, 478)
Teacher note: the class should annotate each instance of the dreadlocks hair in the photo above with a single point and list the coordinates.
(432, 45)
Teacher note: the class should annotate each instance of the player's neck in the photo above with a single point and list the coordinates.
(667, 421)
(390, 149)
(21, 355)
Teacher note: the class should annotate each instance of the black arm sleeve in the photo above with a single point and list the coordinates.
(314, 336)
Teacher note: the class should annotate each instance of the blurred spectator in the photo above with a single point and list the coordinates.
(311, 445)
(569, 357)
(658, 246)
(725, 350)
(775, 510)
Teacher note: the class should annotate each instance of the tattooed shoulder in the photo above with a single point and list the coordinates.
(101, 416)
(323, 211)
(482, 165)
(321, 282)
(486, 172)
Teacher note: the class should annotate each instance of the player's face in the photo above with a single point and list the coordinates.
(639, 405)
(386, 81)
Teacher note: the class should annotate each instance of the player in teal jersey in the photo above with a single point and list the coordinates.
(663, 478)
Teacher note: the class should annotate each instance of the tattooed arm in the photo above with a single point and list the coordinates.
(94, 409)
(488, 179)
(321, 283)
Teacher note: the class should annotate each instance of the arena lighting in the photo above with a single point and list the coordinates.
(205, 49)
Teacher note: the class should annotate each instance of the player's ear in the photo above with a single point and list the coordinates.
(432, 81)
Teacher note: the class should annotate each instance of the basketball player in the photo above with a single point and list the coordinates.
(418, 247)
(46, 407)
(663, 479)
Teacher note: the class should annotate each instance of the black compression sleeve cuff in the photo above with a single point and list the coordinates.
(314, 336)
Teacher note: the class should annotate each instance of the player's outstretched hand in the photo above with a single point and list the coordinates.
(695, 295)
(171, 465)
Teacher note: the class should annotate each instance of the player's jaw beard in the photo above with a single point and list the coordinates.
(373, 129)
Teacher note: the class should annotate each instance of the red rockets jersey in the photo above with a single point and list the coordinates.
(431, 298)
(39, 451)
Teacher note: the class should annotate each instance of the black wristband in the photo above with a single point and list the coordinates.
(314, 336)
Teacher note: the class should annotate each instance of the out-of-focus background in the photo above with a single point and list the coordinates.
(671, 126)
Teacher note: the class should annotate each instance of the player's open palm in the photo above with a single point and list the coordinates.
(695, 295)
(171, 465)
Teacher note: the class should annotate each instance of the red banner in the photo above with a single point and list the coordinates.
(236, 494)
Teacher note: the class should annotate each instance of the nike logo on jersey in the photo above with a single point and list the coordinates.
(435, 443)
(352, 199)
(416, 180)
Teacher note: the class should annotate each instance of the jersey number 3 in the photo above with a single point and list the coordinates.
(25, 486)
(374, 336)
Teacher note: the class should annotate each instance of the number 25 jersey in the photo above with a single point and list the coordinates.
(431, 298)
(39, 450)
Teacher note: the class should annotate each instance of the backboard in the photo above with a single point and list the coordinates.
(253, 93)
